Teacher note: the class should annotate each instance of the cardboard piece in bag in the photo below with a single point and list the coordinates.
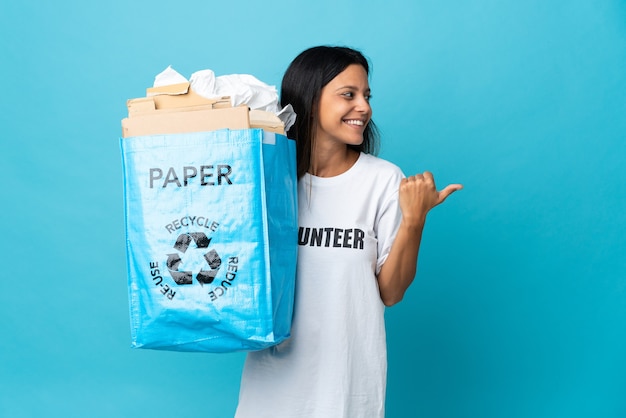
(177, 108)
(267, 121)
(174, 97)
(182, 95)
(183, 121)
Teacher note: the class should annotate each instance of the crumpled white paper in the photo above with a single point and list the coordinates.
(243, 89)
(288, 116)
(167, 77)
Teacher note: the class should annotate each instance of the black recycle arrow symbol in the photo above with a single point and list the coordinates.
(211, 257)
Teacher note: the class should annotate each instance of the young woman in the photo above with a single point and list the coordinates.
(360, 226)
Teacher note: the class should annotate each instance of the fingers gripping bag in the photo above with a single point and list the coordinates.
(211, 236)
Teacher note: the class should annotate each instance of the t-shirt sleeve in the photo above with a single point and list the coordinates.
(388, 219)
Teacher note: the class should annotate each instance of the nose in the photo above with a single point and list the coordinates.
(363, 105)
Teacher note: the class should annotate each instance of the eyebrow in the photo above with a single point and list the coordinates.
(352, 88)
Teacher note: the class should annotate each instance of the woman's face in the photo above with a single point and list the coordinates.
(344, 108)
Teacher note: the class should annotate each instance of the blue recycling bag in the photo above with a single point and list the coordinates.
(211, 236)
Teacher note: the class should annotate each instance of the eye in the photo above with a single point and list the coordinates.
(348, 94)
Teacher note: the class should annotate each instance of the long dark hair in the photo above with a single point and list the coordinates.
(302, 84)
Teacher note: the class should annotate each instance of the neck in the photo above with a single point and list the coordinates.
(330, 163)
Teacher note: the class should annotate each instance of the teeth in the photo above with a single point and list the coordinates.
(354, 122)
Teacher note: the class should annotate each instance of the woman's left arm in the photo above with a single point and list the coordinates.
(417, 196)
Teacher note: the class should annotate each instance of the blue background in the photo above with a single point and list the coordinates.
(519, 306)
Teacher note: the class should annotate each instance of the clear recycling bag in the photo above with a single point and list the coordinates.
(211, 239)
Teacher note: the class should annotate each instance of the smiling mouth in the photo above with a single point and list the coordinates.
(356, 122)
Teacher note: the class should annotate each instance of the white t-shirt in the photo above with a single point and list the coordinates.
(334, 365)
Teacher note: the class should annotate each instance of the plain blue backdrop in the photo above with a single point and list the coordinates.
(518, 309)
